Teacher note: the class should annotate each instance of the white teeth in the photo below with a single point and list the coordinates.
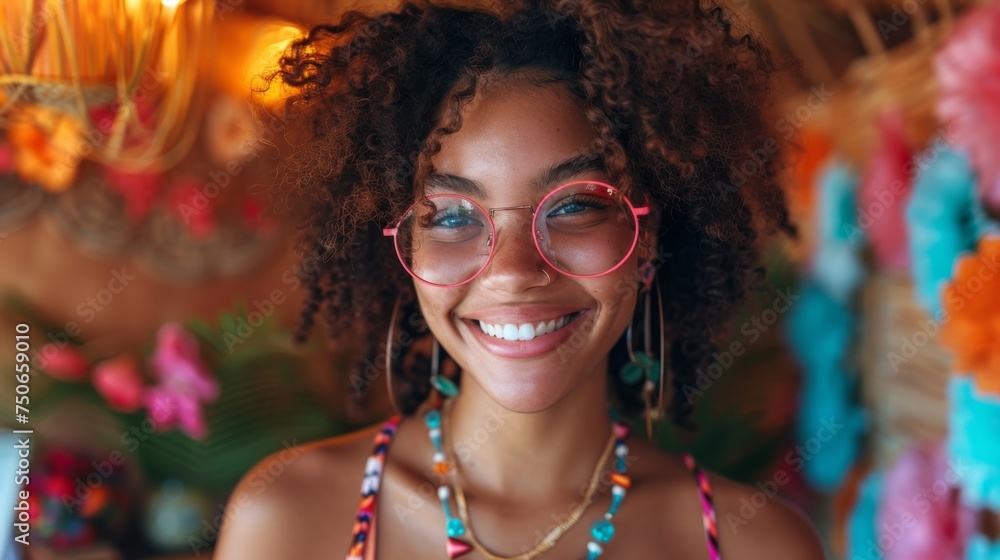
(526, 331)
(510, 332)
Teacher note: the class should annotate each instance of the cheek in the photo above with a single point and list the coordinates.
(436, 305)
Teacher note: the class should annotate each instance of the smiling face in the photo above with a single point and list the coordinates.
(516, 145)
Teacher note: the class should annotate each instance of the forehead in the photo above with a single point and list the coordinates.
(512, 133)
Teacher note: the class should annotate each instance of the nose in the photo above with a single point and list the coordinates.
(516, 265)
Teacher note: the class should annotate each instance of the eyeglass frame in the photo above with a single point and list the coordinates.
(636, 211)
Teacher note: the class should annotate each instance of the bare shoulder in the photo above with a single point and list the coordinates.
(751, 524)
(297, 501)
(754, 523)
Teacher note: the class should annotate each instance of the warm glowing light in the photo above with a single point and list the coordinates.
(171, 3)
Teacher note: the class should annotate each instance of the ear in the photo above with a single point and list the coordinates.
(649, 235)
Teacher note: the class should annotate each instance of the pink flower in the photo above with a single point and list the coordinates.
(119, 382)
(65, 363)
(967, 69)
(184, 382)
(169, 408)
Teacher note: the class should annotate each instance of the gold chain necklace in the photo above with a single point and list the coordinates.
(550, 540)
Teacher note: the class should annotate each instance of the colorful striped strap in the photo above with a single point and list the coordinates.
(707, 507)
(369, 489)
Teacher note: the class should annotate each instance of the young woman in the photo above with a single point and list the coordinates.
(566, 195)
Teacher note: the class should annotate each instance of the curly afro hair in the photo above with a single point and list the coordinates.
(674, 92)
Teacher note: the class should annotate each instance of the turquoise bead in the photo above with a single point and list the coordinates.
(593, 550)
(616, 502)
(644, 360)
(433, 418)
(620, 464)
(445, 386)
(455, 527)
(631, 373)
(603, 530)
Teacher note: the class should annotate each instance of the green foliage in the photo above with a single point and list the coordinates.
(265, 402)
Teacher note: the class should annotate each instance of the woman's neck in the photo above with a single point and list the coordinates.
(529, 458)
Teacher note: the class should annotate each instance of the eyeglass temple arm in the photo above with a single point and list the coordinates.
(644, 209)
(391, 231)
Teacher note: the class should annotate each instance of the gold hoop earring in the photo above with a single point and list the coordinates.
(388, 353)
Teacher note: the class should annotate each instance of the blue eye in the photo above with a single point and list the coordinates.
(578, 203)
(455, 218)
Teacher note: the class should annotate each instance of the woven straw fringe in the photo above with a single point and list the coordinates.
(905, 396)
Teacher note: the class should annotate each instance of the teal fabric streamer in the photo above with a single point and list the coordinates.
(862, 530)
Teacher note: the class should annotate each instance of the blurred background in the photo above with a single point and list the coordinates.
(159, 287)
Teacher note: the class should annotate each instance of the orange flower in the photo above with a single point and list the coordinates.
(807, 163)
(48, 146)
(972, 307)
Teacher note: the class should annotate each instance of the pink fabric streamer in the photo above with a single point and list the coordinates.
(921, 516)
(968, 74)
(883, 193)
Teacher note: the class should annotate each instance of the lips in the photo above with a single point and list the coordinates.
(536, 346)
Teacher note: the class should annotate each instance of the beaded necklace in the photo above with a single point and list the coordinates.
(601, 532)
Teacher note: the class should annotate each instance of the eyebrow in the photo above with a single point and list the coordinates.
(555, 173)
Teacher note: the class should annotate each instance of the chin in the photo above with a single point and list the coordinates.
(529, 392)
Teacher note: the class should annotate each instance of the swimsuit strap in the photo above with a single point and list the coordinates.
(369, 489)
(707, 507)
